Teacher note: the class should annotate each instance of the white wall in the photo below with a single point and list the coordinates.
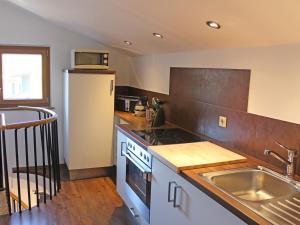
(275, 75)
(19, 27)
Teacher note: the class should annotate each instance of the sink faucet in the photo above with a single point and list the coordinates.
(290, 162)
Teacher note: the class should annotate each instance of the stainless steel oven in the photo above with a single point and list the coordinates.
(138, 178)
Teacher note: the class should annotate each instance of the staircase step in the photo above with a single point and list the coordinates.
(3, 203)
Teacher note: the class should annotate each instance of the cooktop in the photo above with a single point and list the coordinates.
(165, 136)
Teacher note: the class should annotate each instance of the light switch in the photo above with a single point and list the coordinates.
(222, 121)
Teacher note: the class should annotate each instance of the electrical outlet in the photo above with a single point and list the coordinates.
(222, 121)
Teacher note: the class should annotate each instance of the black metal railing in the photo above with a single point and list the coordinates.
(44, 128)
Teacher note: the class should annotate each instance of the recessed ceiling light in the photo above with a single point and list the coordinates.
(157, 35)
(213, 24)
(128, 42)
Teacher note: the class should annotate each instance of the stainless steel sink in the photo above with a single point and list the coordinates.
(273, 196)
(252, 184)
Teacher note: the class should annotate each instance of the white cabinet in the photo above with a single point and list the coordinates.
(192, 207)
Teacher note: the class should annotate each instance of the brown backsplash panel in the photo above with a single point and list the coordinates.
(122, 90)
(253, 134)
(237, 135)
(188, 114)
(223, 87)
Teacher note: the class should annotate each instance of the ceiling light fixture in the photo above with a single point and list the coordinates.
(213, 24)
(128, 42)
(157, 35)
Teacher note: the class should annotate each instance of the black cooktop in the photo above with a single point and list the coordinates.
(166, 136)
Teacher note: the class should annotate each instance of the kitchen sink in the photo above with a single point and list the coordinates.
(252, 184)
(269, 194)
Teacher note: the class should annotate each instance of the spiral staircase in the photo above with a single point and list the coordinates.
(29, 160)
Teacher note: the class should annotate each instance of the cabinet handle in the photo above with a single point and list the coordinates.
(169, 191)
(175, 205)
(122, 143)
(133, 213)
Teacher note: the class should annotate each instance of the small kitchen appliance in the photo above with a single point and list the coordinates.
(141, 106)
(126, 103)
(89, 59)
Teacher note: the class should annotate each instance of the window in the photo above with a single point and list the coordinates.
(24, 76)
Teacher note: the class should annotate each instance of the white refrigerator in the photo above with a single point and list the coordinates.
(88, 119)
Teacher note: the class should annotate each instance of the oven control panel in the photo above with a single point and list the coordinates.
(139, 152)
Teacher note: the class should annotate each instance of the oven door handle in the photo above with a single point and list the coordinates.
(141, 168)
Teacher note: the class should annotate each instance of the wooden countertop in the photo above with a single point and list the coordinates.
(194, 155)
(134, 121)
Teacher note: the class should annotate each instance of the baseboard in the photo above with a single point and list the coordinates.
(64, 173)
(80, 174)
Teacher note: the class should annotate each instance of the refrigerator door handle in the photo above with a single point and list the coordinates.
(111, 87)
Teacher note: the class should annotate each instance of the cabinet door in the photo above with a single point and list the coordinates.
(193, 207)
(121, 164)
(162, 211)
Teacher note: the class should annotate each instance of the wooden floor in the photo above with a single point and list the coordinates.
(3, 204)
(82, 202)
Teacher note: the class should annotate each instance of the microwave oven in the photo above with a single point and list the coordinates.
(89, 59)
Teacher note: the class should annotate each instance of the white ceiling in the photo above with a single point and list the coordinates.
(182, 22)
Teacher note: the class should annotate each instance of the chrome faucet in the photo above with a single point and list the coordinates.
(290, 162)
